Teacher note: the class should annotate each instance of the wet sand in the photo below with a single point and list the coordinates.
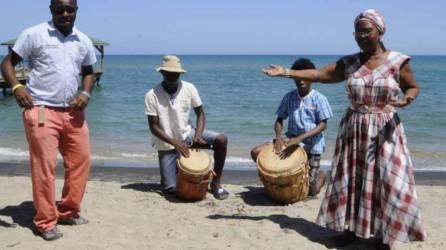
(242, 177)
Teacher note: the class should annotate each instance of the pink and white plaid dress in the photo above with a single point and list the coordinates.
(372, 186)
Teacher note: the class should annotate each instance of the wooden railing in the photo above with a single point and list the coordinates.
(20, 73)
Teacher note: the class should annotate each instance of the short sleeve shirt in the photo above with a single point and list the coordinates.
(304, 114)
(172, 111)
(55, 62)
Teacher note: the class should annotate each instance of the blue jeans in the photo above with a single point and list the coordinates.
(168, 159)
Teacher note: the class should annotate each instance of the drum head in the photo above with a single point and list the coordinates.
(198, 162)
(271, 162)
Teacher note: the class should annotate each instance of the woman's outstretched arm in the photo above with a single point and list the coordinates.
(331, 73)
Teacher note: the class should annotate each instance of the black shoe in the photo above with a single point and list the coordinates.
(171, 190)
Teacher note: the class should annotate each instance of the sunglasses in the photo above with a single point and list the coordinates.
(365, 33)
(62, 10)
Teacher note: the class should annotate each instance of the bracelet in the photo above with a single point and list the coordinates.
(286, 73)
(409, 99)
(16, 87)
(85, 93)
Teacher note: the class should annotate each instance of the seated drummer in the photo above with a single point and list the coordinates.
(307, 112)
(168, 106)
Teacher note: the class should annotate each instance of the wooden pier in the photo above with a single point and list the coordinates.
(22, 71)
(21, 74)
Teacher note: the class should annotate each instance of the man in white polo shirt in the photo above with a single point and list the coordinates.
(60, 59)
(168, 106)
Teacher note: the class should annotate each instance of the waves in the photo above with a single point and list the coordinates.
(120, 135)
(150, 160)
(13, 155)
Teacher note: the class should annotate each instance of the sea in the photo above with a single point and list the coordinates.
(239, 101)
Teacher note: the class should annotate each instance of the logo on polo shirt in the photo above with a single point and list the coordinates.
(51, 46)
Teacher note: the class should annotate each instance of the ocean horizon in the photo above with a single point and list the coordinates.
(238, 100)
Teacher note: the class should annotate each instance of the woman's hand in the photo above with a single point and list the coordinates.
(403, 102)
(274, 70)
(408, 85)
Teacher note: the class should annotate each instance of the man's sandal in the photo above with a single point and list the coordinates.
(220, 193)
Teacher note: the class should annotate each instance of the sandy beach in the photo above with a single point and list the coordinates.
(127, 211)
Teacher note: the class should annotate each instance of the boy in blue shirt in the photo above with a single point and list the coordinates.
(307, 112)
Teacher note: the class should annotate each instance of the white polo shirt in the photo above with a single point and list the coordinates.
(172, 111)
(55, 62)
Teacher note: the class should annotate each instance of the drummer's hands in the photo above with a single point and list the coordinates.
(198, 140)
(295, 141)
(274, 70)
(182, 149)
(278, 144)
(290, 146)
(288, 150)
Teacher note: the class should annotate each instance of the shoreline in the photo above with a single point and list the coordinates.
(151, 175)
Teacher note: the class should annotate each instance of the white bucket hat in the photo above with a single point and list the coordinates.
(171, 64)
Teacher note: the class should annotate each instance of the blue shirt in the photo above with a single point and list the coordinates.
(55, 61)
(304, 114)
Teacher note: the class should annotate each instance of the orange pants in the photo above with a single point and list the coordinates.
(63, 131)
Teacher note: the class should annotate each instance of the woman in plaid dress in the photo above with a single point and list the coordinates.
(372, 187)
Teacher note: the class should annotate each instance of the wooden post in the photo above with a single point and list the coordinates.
(100, 48)
(102, 58)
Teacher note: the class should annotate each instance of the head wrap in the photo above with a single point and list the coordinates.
(374, 17)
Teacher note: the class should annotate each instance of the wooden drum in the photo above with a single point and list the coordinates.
(286, 180)
(193, 175)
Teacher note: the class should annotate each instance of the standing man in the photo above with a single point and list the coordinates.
(168, 106)
(60, 58)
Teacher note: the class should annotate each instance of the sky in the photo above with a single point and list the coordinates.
(312, 27)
